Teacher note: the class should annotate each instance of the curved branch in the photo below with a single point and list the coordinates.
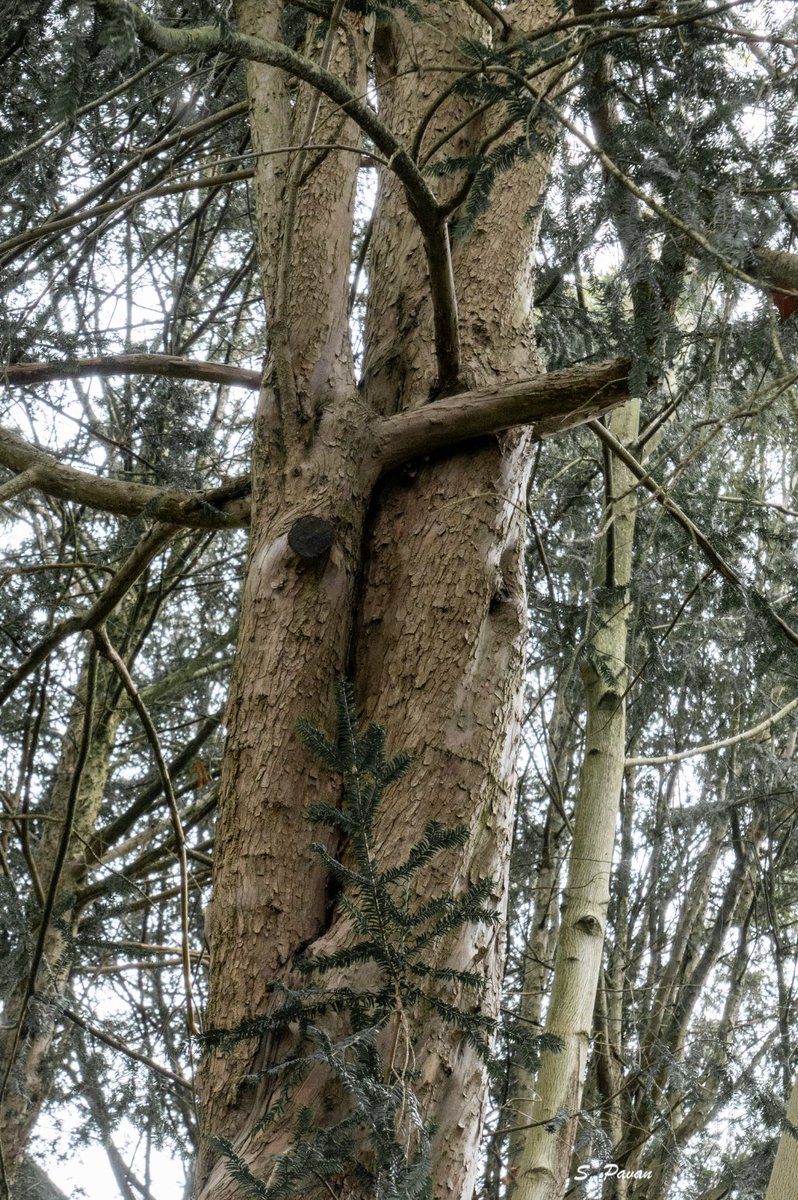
(169, 366)
(101, 842)
(103, 643)
(208, 39)
(422, 202)
(218, 508)
(498, 22)
(722, 744)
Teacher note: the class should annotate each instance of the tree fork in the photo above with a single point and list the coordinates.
(550, 403)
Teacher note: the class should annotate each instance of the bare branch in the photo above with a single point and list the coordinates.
(133, 566)
(169, 366)
(62, 224)
(107, 837)
(116, 1044)
(29, 478)
(444, 301)
(207, 39)
(716, 560)
(551, 403)
(745, 736)
(218, 508)
(496, 19)
(108, 651)
(422, 202)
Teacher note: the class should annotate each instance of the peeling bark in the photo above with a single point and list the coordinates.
(421, 601)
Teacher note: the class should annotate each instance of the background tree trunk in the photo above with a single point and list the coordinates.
(542, 1169)
(27, 1087)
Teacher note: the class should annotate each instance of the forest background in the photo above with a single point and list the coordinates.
(449, 348)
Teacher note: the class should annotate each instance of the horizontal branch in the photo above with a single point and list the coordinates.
(550, 403)
(218, 508)
(170, 366)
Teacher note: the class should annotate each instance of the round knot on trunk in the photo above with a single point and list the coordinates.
(311, 537)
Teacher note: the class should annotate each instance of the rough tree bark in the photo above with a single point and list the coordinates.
(421, 598)
(418, 475)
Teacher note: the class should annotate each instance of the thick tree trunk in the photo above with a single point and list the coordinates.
(269, 900)
(421, 599)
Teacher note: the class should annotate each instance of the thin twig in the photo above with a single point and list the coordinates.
(718, 562)
(116, 1044)
(107, 650)
(134, 565)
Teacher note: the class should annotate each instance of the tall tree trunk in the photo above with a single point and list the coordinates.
(269, 899)
(542, 1169)
(421, 598)
(544, 922)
